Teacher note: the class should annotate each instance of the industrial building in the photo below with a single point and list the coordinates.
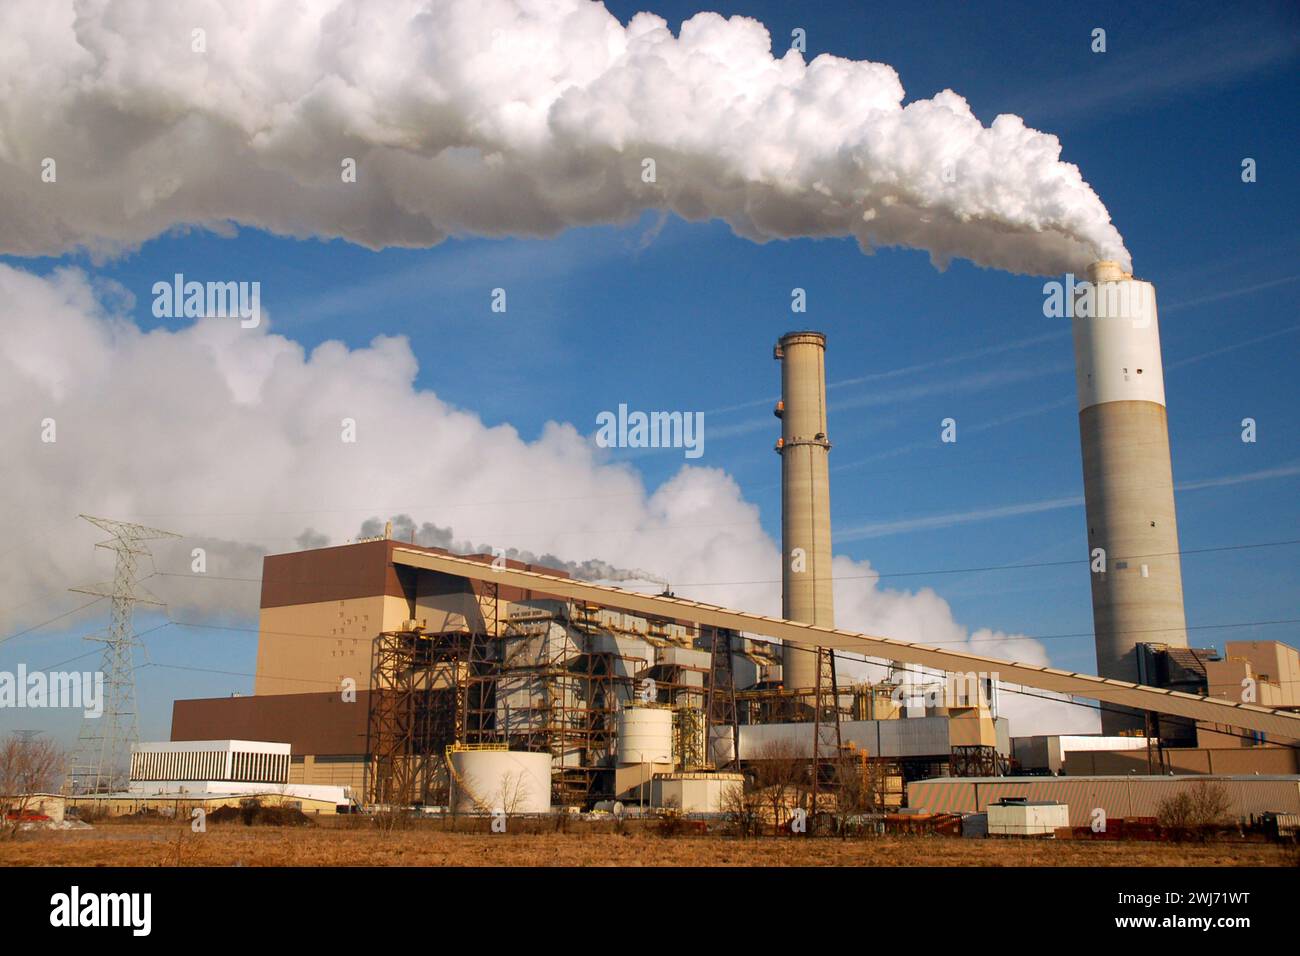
(221, 768)
(614, 697)
(1267, 668)
(413, 676)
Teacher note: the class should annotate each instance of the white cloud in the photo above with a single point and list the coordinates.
(499, 117)
(232, 437)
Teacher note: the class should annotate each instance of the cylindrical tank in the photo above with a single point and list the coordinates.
(805, 497)
(1127, 476)
(485, 781)
(645, 735)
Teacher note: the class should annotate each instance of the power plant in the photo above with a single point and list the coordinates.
(395, 675)
(1137, 588)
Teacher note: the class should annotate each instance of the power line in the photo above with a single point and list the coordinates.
(212, 670)
(1030, 565)
(59, 617)
(1006, 639)
(1002, 567)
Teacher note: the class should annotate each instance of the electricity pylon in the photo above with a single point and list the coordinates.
(104, 745)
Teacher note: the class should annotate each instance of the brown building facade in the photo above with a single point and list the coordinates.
(321, 611)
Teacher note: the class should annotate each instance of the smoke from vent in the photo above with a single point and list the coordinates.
(430, 535)
(499, 118)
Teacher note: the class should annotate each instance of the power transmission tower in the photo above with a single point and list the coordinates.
(826, 725)
(104, 745)
(721, 713)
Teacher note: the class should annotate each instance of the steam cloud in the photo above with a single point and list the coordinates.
(493, 118)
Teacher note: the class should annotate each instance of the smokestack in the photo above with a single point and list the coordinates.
(805, 497)
(1127, 477)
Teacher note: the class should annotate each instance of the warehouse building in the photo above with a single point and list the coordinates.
(1117, 797)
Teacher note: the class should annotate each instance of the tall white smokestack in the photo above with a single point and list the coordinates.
(1127, 477)
(805, 497)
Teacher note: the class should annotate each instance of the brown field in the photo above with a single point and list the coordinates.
(232, 844)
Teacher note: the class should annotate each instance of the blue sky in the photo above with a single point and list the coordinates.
(661, 313)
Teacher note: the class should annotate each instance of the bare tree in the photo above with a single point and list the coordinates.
(742, 807)
(512, 793)
(1197, 808)
(1211, 803)
(780, 772)
(861, 786)
(510, 797)
(28, 766)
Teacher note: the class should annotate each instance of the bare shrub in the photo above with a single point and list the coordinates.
(1211, 804)
(670, 821)
(28, 766)
(742, 809)
(1194, 810)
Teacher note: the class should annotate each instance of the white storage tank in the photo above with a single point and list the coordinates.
(487, 780)
(645, 734)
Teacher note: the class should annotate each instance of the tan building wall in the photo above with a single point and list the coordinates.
(311, 648)
(344, 770)
(1182, 760)
(971, 727)
(1275, 668)
(1120, 797)
(1274, 662)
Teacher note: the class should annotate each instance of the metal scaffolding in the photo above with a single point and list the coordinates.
(723, 718)
(416, 711)
(827, 742)
(976, 761)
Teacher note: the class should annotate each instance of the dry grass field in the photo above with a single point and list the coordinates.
(232, 844)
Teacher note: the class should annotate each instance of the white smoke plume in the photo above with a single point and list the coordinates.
(232, 437)
(430, 535)
(495, 118)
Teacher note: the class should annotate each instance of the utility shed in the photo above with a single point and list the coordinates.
(694, 792)
(1025, 818)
